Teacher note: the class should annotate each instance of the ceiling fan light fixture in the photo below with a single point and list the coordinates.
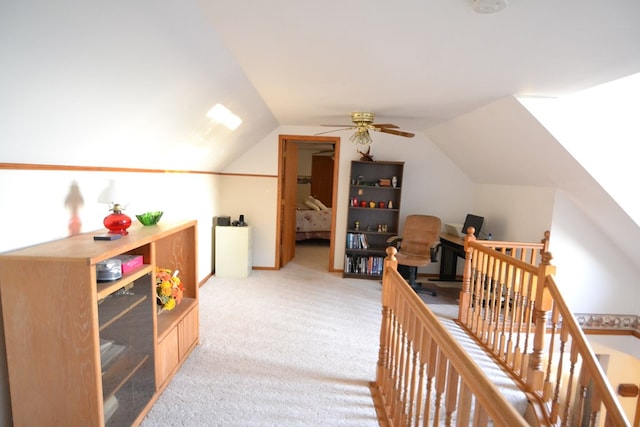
(361, 137)
(488, 6)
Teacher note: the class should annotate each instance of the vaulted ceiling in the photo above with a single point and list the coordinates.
(421, 62)
(139, 77)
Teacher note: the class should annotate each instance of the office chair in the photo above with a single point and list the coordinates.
(417, 247)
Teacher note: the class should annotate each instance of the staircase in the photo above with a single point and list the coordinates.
(515, 355)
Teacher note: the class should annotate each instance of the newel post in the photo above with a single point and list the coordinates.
(542, 307)
(465, 291)
(390, 263)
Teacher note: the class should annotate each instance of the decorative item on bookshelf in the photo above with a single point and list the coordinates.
(169, 288)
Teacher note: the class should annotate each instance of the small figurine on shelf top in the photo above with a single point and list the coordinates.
(366, 157)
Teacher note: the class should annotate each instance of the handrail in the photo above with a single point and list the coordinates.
(615, 413)
(424, 376)
(515, 310)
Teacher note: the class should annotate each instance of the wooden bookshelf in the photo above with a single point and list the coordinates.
(58, 318)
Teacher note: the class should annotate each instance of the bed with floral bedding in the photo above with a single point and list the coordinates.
(314, 222)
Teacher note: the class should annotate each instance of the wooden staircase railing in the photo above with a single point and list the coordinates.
(510, 303)
(424, 377)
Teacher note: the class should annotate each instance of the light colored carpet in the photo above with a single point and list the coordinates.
(295, 347)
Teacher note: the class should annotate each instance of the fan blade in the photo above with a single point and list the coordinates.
(384, 125)
(334, 130)
(396, 132)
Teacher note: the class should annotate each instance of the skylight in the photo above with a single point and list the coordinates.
(221, 114)
(598, 127)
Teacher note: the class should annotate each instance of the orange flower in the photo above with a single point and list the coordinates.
(169, 288)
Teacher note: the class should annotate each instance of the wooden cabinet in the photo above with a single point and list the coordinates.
(82, 352)
(374, 208)
(322, 178)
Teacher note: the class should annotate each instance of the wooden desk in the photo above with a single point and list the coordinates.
(452, 248)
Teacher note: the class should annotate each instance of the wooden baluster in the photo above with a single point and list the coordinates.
(479, 292)
(498, 329)
(495, 303)
(475, 285)
(548, 384)
(451, 397)
(488, 300)
(465, 292)
(410, 358)
(555, 404)
(425, 344)
(402, 356)
(395, 355)
(528, 319)
(573, 358)
(464, 406)
(596, 403)
(415, 365)
(431, 373)
(502, 346)
(468, 319)
(583, 394)
(543, 303)
(480, 417)
(441, 378)
(511, 342)
(522, 301)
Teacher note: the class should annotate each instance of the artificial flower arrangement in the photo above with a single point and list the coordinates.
(169, 288)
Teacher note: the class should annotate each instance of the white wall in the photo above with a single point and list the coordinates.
(514, 213)
(432, 184)
(255, 198)
(35, 208)
(129, 81)
(594, 274)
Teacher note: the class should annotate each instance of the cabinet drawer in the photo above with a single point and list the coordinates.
(188, 332)
(167, 357)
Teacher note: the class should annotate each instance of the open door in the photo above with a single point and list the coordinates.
(287, 194)
(289, 161)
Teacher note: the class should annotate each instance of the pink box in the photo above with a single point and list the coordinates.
(130, 262)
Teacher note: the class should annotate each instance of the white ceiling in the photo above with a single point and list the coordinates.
(421, 62)
(139, 77)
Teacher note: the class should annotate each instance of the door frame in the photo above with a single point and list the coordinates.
(303, 139)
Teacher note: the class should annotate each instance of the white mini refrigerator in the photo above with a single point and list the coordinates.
(233, 251)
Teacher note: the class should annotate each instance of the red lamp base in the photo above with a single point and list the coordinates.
(117, 223)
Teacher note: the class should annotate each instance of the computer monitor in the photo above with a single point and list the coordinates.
(474, 221)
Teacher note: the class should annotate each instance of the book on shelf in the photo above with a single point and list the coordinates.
(110, 407)
(109, 351)
(371, 265)
(357, 241)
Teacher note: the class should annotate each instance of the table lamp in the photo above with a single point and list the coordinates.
(116, 222)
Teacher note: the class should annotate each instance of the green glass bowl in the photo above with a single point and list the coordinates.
(149, 218)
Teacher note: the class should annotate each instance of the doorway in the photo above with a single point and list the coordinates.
(288, 162)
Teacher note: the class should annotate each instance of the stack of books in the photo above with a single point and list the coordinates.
(109, 351)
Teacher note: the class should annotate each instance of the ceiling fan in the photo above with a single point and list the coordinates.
(363, 123)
